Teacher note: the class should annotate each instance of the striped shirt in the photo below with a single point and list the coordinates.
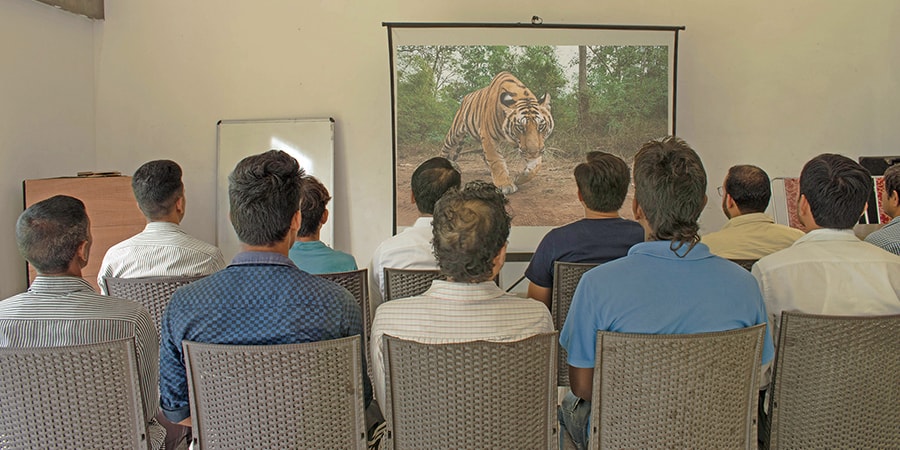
(163, 249)
(888, 237)
(455, 312)
(58, 311)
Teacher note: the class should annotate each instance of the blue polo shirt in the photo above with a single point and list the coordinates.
(316, 257)
(262, 298)
(654, 291)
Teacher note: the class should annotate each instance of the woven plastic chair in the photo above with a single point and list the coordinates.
(357, 282)
(684, 391)
(566, 276)
(276, 396)
(51, 397)
(153, 292)
(483, 395)
(745, 263)
(402, 283)
(836, 382)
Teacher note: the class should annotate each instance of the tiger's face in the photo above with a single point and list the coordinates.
(528, 123)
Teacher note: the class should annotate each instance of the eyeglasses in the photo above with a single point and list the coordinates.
(720, 191)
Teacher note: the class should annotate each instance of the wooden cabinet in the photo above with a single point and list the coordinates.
(110, 204)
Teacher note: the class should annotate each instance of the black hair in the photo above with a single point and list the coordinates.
(749, 187)
(49, 233)
(264, 195)
(431, 180)
(603, 181)
(314, 199)
(836, 188)
(157, 186)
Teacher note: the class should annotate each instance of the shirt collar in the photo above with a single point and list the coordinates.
(748, 218)
(893, 221)
(662, 249)
(423, 222)
(59, 285)
(163, 226)
(451, 290)
(256, 258)
(310, 245)
(827, 234)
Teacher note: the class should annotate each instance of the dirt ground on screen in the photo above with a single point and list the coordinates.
(549, 199)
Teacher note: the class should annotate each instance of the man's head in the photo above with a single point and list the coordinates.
(52, 233)
(264, 194)
(158, 189)
(669, 190)
(430, 180)
(470, 230)
(746, 191)
(891, 198)
(602, 181)
(314, 199)
(833, 192)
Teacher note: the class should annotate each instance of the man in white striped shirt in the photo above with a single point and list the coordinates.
(163, 249)
(470, 231)
(60, 308)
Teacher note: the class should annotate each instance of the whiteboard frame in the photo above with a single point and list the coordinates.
(318, 149)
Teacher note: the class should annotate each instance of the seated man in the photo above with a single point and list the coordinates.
(308, 252)
(670, 284)
(60, 308)
(163, 249)
(261, 298)
(829, 270)
(411, 249)
(470, 231)
(749, 233)
(600, 237)
(888, 237)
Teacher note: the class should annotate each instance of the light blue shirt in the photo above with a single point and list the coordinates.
(315, 257)
(654, 291)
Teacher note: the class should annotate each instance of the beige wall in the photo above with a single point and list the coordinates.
(46, 111)
(771, 83)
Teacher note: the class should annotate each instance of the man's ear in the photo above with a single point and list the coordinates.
(705, 199)
(412, 198)
(580, 197)
(180, 203)
(637, 210)
(83, 253)
(324, 217)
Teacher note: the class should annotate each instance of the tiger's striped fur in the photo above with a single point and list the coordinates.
(505, 110)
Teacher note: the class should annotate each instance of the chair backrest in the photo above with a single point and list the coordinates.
(153, 292)
(357, 282)
(836, 382)
(566, 276)
(745, 263)
(687, 391)
(274, 396)
(402, 283)
(51, 397)
(471, 395)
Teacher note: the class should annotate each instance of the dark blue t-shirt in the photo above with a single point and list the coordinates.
(586, 241)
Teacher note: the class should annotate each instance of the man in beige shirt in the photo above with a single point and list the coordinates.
(749, 233)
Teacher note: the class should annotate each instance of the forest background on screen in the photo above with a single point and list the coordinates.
(609, 98)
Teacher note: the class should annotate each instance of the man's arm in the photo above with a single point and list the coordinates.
(582, 382)
(541, 294)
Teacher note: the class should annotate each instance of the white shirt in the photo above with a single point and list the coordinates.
(830, 272)
(410, 249)
(163, 249)
(455, 312)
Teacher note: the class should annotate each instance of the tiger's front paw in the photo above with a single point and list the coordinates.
(508, 189)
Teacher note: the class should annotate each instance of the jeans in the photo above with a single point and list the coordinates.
(574, 418)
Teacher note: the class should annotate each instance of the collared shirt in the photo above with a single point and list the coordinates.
(59, 311)
(888, 237)
(582, 241)
(452, 312)
(410, 249)
(261, 298)
(654, 290)
(750, 236)
(830, 272)
(163, 249)
(316, 257)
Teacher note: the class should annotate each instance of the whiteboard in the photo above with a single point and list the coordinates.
(310, 141)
